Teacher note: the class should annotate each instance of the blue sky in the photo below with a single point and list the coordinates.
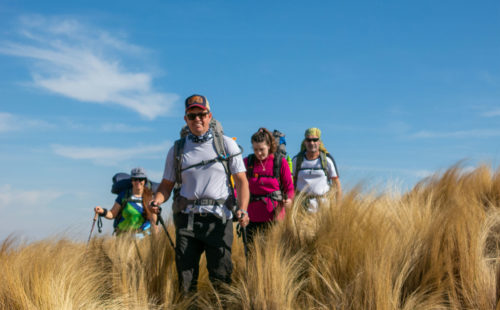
(400, 90)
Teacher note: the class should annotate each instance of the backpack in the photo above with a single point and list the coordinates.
(222, 157)
(122, 183)
(324, 165)
(279, 137)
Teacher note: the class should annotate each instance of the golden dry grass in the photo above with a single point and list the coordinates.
(434, 247)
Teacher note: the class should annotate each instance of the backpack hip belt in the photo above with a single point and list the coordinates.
(307, 201)
(180, 204)
(276, 196)
(309, 197)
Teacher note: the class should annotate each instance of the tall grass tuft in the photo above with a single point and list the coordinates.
(433, 247)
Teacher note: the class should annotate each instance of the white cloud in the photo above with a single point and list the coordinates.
(10, 122)
(110, 155)
(83, 63)
(398, 126)
(25, 199)
(474, 133)
(491, 113)
(123, 128)
(107, 127)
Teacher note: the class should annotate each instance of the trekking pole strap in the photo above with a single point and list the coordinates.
(99, 224)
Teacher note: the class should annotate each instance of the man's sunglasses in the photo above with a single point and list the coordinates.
(312, 139)
(193, 116)
(138, 179)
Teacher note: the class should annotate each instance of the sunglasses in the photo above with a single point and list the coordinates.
(135, 180)
(312, 139)
(193, 116)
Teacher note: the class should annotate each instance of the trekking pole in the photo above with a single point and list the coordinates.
(165, 228)
(93, 224)
(245, 244)
(242, 232)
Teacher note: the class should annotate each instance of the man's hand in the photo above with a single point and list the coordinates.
(161, 195)
(243, 218)
(155, 207)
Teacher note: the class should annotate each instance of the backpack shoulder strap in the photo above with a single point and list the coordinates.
(328, 155)
(278, 159)
(277, 163)
(220, 147)
(123, 203)
(298, 164)
(250, 165)
(178, 152)
(125, 198)
(324, 163)
(218, 138)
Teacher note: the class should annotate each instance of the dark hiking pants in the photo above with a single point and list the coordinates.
(253, 227)
(209, 234)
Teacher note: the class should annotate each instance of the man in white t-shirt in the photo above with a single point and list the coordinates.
(315, 171)
(204, 205)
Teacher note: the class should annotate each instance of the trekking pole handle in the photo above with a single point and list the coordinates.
(242, 213)
(92, 228)
(152, 204)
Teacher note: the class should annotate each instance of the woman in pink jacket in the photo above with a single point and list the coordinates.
(270, 181)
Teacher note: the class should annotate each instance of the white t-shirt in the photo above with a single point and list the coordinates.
(311, 179)
(205, 181)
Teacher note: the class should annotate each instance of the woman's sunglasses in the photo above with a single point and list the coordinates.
(140, 180)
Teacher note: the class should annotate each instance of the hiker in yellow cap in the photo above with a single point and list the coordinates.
(314, 170)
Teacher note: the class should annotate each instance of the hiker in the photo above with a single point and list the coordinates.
(131, 209)
(270, 182)
(204, 203)
(315, 171)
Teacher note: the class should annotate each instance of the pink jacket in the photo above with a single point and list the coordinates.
(263, 183)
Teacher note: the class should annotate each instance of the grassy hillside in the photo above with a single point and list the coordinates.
(434, 247)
